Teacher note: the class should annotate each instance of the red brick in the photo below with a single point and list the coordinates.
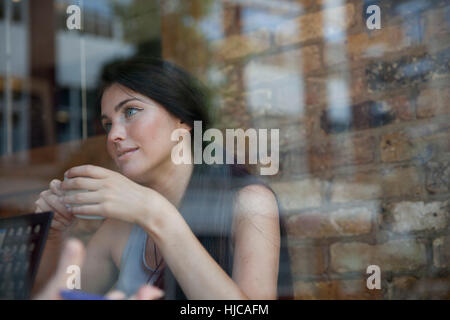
(231, 22)
(358, 85)
(396, 147)
(412, 288)
(305, 5)
(431, 130)
(292, 163)
(401, 107)
(438, 176)
(368, 46)
(433, 102)
(307, 260)
(315, 92)
(335, 290)
(400, 182)
(233, 113)
(310, 26)
(241, 45)
(316, 87)
(292, 136)
(232, 80)
(416, 142)
(362, 186)
(297, 195)
(409, 216)
(389, 183)
(302, 60)
(341, 222)
(396, 255)
(441, 252)
(437, 28)
(341, 151)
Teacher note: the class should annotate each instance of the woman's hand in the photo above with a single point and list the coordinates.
(145, 292)
(49, 201)
(111, 195)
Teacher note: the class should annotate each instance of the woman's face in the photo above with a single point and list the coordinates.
(139, 131)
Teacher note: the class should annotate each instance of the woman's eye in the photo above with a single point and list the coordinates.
(129, 112)
(107, 127)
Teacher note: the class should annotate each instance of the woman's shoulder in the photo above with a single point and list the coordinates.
(251, 195)
(255, 219)
(256, 200)
(233, 184)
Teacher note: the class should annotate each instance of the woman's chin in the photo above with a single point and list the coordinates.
(131, 172)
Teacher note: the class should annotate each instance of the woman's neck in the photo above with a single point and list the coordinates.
(171, 181)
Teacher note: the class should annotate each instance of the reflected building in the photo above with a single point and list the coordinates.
(49, 73)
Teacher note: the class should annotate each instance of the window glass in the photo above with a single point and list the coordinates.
(349, 97)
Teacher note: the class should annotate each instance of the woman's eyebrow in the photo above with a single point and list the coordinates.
(119, 105)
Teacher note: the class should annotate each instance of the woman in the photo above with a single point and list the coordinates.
(215, 229)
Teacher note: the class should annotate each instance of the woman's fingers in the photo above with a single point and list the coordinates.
(83, 183)
(42, 205)
(59, 222)
(55, 187)
(116, 295)
(56, 205)
(57, 225)
(88, 209)
(148, 292)
(86, 197)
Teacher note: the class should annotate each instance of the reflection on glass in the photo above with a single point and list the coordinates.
(362, 114)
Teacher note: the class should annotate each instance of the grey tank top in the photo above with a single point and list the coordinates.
(134, 271)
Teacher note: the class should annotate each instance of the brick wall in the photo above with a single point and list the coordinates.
(364, 130)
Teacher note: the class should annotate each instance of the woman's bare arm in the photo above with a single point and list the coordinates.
(255, 267)
(257, 242)
(99, 271)
(48, 264)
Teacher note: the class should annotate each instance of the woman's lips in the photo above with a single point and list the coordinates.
(127, 154)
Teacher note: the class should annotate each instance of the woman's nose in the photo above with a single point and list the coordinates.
(117, 132)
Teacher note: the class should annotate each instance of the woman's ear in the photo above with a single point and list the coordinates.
(184, 125)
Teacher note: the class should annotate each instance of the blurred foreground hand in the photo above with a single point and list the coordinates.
(73, 254)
